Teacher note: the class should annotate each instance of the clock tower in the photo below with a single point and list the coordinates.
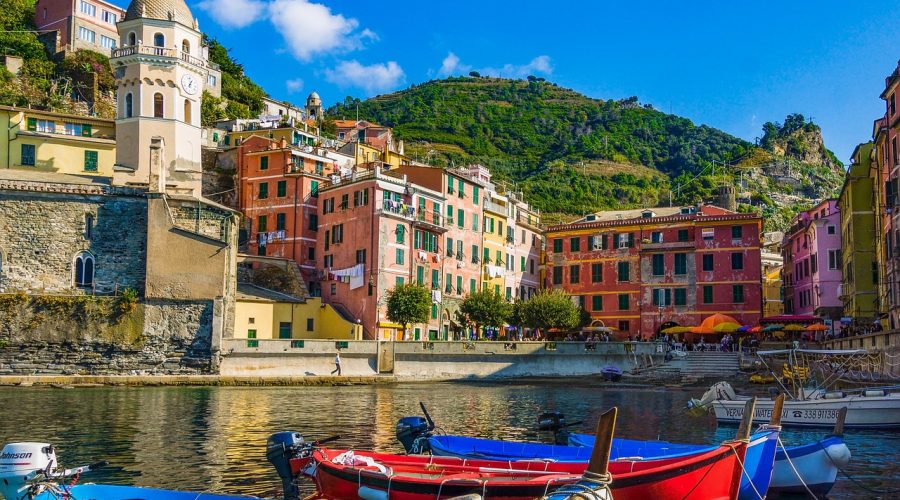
(161, 71)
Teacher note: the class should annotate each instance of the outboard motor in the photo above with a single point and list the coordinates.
(281, 447)
(555, 422)
(22, 462)
(411, 431)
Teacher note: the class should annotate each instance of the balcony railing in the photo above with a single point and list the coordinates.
(494, 207)
(162, 52)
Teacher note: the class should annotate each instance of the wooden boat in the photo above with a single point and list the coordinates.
(611, 373)
(346, 475)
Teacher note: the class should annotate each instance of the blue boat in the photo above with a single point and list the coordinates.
(111, 492)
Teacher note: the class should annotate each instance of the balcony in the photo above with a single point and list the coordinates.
(150, 50)
(497, 208)
(430, 221)
(667, 245)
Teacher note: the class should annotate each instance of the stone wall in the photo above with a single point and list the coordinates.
(81, 335)
(42, 232)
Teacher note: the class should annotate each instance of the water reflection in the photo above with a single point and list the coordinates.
(214, 438)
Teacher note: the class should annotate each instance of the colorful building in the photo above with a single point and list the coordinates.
(261, 313)
(377, 230)
(45, 141)
(858, 220)
(640, 271)
(81, 24)
(278, 195)
(813, 263)
(773, 298)
(887, 159)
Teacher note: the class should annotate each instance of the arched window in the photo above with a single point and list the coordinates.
(159, 40)
(186, 46)
(84, 269)
(187, 111)
(132, 39)
(157, 105)
(129, 105)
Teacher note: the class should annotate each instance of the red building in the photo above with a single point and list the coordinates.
(640, 271)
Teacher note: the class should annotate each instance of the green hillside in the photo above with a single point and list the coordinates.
(572, 154)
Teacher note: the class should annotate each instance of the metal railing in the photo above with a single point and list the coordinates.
(162, 52)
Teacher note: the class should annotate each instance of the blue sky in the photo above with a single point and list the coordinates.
(732, 65)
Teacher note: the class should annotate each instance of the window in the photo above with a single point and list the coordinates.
(624, 326)
(435, 279)
(557, 245)
(596, 272)
(575, 244)
(522, 263)
(89, 9)
(211, 80)
(623, 302)
(574, 274)
(531, 266)
(680, 296)
(707, 294)
(328, 261)
(263, 190)
(475, 254)
(313, 222)
(314, 189)
(251, 336)
(129, 105)
(345, 201)
(475, 194)
(707, 262)
(77, 129)
(110, 17)
(683, 235)
(656, 237)
(737, 294)
(158, 105)
(708, 233)
(132, 39)
(280, 222)
(86, 34)
(472, 286)
(659, 264)
(462, 188)
(400, 258)
(460, 218)
(311, 253)
(310, 324)
(90, 161)
(84, 269)
(28, 154)
(284, 330)
(186, 47)
(159, 40)
(337, 233)
(814, 260)
(264, 162)
(420, 275)
(597, 303)
(262, 223)
(475, 222)
(624, 240)
(88, 226)
(737, 232)
(834, 259)
(107, 42)
(662, 297)
(624, 273)
(831, 229)
(737, 261)
(680, 264)
(361, 256)
(557, 275)
(281, 189)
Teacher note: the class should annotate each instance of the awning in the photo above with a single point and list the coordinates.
(790, 318)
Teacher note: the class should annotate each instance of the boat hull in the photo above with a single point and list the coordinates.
(863, 412)
(816, 463)
(112, 492)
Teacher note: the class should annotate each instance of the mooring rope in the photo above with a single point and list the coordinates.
(791, 463)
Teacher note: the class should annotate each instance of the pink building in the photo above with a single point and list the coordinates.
(376, 230)
(82, 24)
(812, 263)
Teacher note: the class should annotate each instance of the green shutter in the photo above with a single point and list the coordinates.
(460, 217)
(32, 124)
(475, 194)
(314, 188)
(597, 303)
(420, 274)
(282, 189)
(90, 161)
(85, 130)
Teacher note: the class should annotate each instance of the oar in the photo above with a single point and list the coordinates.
(839, 423)
(327, 440)
(775, 419)
(743, 433)
(599, 463)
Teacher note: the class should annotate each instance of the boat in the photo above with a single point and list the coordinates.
(343, 474)
(816, 406)
(28, 471)
(416, 436)
(611, 373)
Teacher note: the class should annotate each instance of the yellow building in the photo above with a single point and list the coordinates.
(495, 262)
(858, 238)
(57, 142)
(773, 298)
(266, 314)
(301, 135)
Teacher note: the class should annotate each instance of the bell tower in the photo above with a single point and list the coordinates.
(160, 71)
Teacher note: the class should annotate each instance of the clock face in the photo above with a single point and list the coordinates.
(189, 84)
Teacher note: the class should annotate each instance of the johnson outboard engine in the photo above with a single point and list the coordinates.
(413, 432)
(29, 469)
(281, 447)
(555, 422)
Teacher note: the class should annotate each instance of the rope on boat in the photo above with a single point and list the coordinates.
(590, 491)
(853, 479)
(745, 473)
(796, 473)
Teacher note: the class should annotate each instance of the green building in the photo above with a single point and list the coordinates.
(858, 223)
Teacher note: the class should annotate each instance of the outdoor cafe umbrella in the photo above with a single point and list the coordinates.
(719, 323)
(793, 328)
(773, 328)
(818, 327)
(676, 329)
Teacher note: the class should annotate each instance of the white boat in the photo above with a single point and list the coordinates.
(874, 408)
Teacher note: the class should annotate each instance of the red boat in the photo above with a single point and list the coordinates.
(342, 476)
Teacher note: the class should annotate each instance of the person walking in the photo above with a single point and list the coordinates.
(337, 364)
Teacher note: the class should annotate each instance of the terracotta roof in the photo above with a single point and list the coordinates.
(168, 10)
(660, 214)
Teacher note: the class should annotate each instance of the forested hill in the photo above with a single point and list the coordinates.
(572, 154)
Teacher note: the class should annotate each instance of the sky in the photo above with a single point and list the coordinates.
(733, 65)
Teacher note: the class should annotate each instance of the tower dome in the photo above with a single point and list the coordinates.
(314, 99)
(167, 10)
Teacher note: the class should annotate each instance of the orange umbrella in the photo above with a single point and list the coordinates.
(818, 327)
(720, 323)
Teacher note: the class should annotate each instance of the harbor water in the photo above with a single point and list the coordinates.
(213, 438)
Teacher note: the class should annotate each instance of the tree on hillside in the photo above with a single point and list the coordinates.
(484, 309)
(550, 309)
(408, 303)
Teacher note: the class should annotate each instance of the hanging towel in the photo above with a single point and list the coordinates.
(436, 296)
(357, 281)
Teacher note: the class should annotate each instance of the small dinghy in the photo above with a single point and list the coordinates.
(28, 471)
(611, 373)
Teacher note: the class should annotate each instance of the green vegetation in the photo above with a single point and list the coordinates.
(549, 309)
(484, 308)
(241, 96)
(570, 154)
(408, 303)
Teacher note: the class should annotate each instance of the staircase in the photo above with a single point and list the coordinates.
(695, 366)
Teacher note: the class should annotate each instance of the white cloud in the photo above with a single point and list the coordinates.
(294, 86)
(233, 13)
(540, 64)
(451, 65)
(311, 28)
(373, 78)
